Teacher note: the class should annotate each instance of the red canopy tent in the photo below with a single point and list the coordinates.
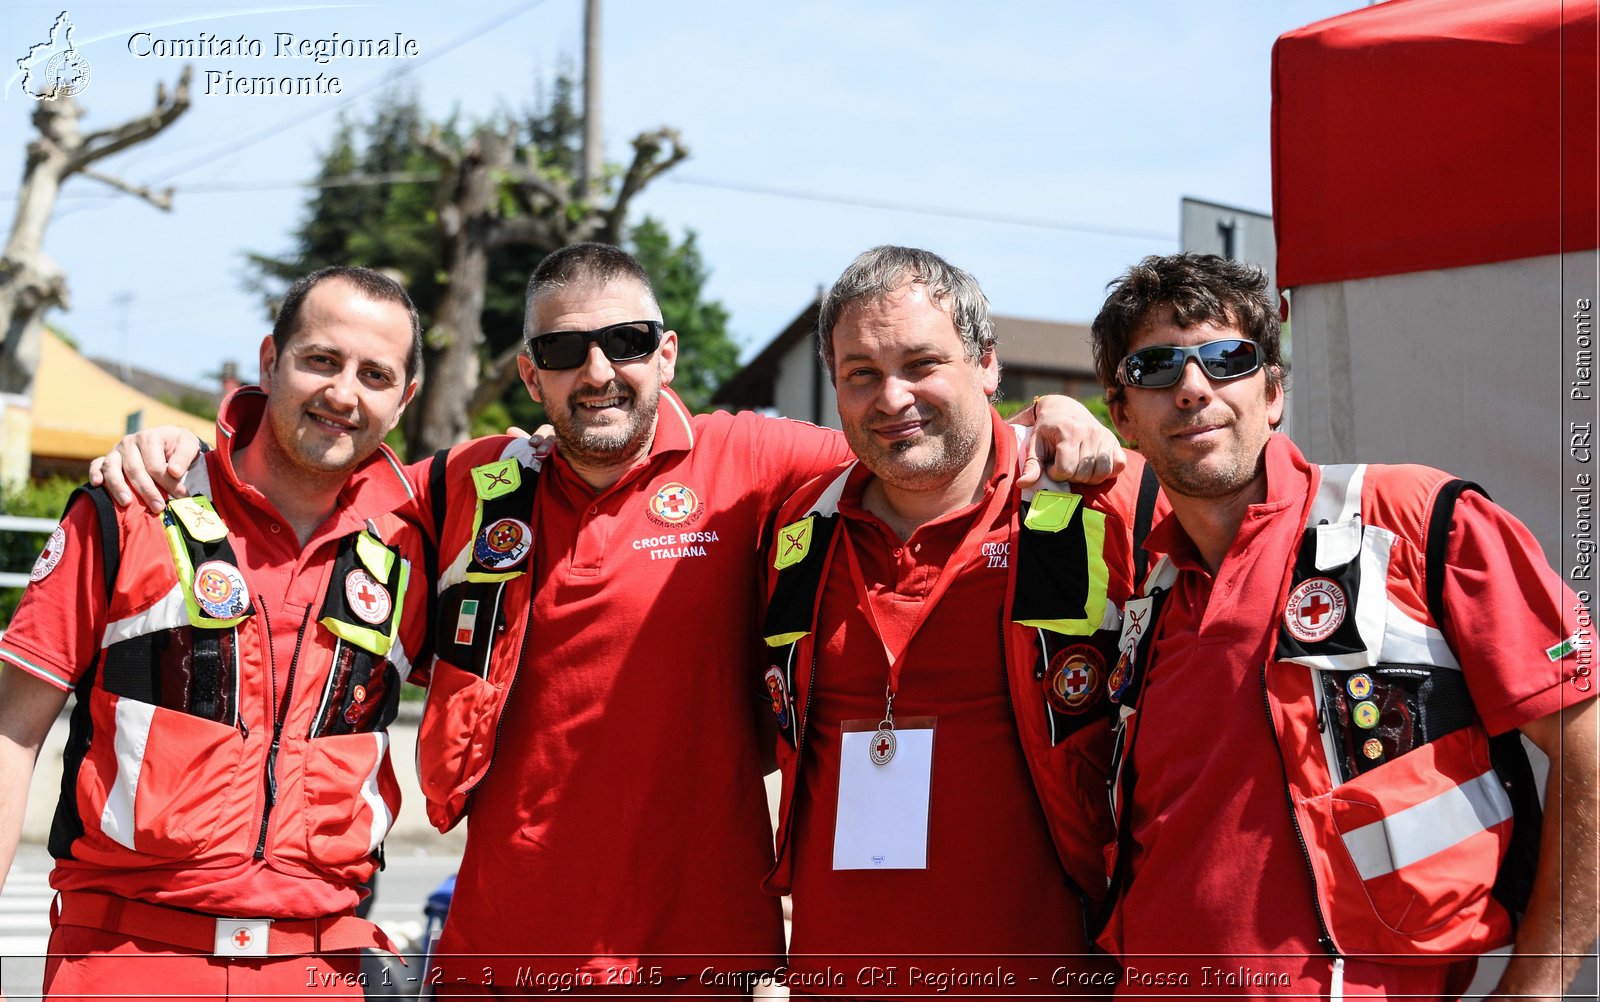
(1435, 178)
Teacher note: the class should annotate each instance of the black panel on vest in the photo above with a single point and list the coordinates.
(1051, 583)
(794, 597)
(472, 655)
(1347, 638)
(336, 605)
(517, 505)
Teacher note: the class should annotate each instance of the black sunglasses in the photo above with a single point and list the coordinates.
(1162, 365)
(619, 342)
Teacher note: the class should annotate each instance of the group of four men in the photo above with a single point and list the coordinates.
(956, 661)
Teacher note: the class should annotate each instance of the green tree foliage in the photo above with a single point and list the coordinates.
(18, 550)
(391, 225)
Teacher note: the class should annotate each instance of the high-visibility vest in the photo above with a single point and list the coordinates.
(483, 494)
(161, 766)
(1404, 803)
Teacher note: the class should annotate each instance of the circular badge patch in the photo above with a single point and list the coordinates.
(1372, 748)
(49, 556)
(1315, 610)
(673, 504)
(780, 695)
(1359, 686)
(1365, 714)
(1117, 682)
(220, 589)
(1072, 682)
(368, 599)
(503, 544)
(242, 938)
(882, 747)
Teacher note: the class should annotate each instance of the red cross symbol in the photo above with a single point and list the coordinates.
(1077, 680)
(242, 938)
(883, 747)
(498, 479)
(794, 541)
(366, 597)
(673, 503)
(1315, 609)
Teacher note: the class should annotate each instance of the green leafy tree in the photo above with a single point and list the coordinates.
(18, 550)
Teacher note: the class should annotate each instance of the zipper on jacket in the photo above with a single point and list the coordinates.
(1324, 937)
(279, 714)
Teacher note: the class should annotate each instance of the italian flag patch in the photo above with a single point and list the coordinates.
(467, 621)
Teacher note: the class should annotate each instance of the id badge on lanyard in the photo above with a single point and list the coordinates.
(886, 766)
(882, 821)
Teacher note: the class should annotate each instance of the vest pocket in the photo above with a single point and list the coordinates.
(454, 746)
(1418, 840)
(166, 786)
(350, 797)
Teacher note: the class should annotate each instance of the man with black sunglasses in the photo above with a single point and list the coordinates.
(1320, 787)
(595, 618)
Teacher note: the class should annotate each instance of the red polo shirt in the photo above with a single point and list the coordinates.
(1220, 899)
(623, 823)
(993, 902)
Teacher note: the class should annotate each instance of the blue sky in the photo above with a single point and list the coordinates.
(1092, 117)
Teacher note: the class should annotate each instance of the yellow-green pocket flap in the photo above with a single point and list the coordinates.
(1051, 511)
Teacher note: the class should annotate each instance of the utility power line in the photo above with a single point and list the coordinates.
(407, 177)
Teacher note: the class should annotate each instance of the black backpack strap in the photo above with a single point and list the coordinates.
(437, 498)
(110, 538)
(1143, 515)
(1437, 542)
(1514, 883)
(67, 826)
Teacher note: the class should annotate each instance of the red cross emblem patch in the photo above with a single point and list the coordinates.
(1316, 608)
(368, 599)
(673, 504)
(1072, 683)
(49, 556)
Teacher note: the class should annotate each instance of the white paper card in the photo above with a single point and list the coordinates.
(882, 821)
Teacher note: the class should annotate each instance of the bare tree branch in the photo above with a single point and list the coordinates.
(498, 373)
(525, 231)
(101, 144)
(648, 164)
(160, 199)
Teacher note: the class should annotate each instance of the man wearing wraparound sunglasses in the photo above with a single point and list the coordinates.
(596, 616)
(1324, 667)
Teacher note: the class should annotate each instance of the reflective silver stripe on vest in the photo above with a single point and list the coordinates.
(133, 732)
(1338, 495)
(167, 614)
(1430, 827)
(372, 794)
